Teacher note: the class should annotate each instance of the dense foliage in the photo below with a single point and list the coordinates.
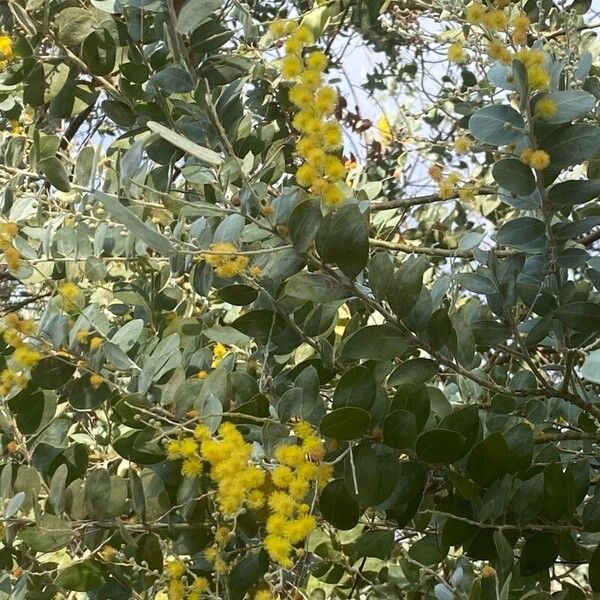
(299, 299)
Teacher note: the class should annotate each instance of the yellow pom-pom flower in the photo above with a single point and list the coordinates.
(26, 356)
(326, 100)
(96, 380)
(317, 61)
(538, 77)
(539, 160)
(306, 174)
(545, 107)
(305, 35)
(520, 21)
(293, 45)
(332, 136)
(174, 569)
(462, 144)
(495, 19)
(278, 28)
(312, 78)
(475, 13)
(291, 66)
(456, 53)
(301, 95)
(334, 168)
(333, 195)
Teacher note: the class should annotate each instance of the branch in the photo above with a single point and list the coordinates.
(428, 251)
(419, 200)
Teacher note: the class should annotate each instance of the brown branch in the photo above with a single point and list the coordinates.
(590, 238)
(420, 200)
(428, 251)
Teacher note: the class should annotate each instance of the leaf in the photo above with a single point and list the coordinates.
(57, 488)
(194, 12)
(400, 429)
(246, 573)
(371, 476)
(523, 233)
(376, 342)
(338, 506)
(14, 504)
(439, 328)
(346, 423)
(230, 229)
(97, 493)
(474, 282)
(570, 104)
(173, 80)
(82, 576)
(377, 543)
(416, 370)
(127, 336)
(489, 333)
(33, 409)
(52, 373)
(591, 367)
(99, 53)
(303, 223)
(440, 446)
(343, 239)
(594, 570)
(570, 193)
(203, 154)
(514, 176)
(590, 517)
(238, 295)
(498, 125)
(157, 241)
(55, 173)
(488, 459)
(51, 534)
(572, 144)
(356, 387)
(316, 287)
(405, 287)
(74, 25)
(580, 316)
(429, 550)
(539, 552)
(414, 398)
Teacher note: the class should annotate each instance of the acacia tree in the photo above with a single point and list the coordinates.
(273, 331)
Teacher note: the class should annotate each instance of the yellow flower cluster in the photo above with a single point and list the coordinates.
(537, 75)
(9, 380)
(8, 232)
(456, 53)
(238, 481)
(299, 468)
(496, 20)
(96, 380)
(176, 585)
(70, 297)
(6, 50)
(219, 353)
(447, 186)
(462, 144)
(320, 135)
(545, 107)
(225, 260)
(538, 159)
(15, 332)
